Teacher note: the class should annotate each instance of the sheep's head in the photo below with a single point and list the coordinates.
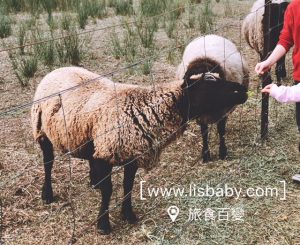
(207, 93)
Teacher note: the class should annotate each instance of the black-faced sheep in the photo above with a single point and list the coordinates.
(253, 32)
(214, 58)
(145, 121)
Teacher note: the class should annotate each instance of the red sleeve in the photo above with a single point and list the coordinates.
(286, 35)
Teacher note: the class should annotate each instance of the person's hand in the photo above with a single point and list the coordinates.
(262, 67)
(267, 89)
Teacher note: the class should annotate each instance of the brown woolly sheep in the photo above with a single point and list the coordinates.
(112, 124)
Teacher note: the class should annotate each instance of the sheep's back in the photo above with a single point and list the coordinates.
(82, 100)
(219, 49)
(76, 81)
(252, 27)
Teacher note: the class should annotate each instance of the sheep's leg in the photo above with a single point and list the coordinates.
(93, 181)
(205, 150)
(102, 177)
(280, 70)
(221, 130)
(129, 175)
(47, 149)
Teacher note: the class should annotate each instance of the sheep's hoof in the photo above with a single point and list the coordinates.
(206, 156)
(47, 195)
(104, 228)
(130, 217)
(223, 153)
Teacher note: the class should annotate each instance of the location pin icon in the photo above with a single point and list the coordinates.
(173, 212)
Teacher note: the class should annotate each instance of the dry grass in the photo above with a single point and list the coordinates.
(251, 163)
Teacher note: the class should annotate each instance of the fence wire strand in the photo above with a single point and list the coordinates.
(93, 30)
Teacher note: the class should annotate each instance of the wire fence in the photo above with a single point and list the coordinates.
(111, 73)
(109, 27)
(74, 232)
(93, 30)
(60, 93)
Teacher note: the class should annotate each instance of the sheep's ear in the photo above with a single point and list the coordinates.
(196, 76)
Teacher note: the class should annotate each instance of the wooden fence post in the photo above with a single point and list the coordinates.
(266, 78)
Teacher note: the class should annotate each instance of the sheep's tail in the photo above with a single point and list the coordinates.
(36, 120)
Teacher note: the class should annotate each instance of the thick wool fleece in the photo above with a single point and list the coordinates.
(252, 27)
(221, 50)
(117, 121)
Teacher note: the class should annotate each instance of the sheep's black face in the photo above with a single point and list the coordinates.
(207, 96)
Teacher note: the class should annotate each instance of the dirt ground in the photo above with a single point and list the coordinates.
(251, 164)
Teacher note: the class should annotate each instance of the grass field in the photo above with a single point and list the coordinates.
(152, 34)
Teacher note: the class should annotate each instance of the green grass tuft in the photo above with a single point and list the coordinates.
(123, 7)
(29, 66)
(22, 38)
(5, 26)
(206, 17)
